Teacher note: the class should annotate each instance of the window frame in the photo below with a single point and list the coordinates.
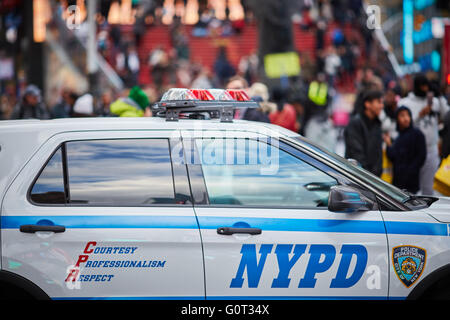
(382, 201)
(179, 177)
(38, 175)
(200, 188)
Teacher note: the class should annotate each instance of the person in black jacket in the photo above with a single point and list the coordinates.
(407, 152)
(30, 107)
(363, 138)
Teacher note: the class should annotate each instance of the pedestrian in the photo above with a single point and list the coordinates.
(319, 127)
(237, 83)
(285, 116)
(388, 116)
(332, 64)
(259, 93)
(407, 152)
(132, 66)
(318, 94)
(137, 104)
(64, 108)
(363, 137)
(30, 106)
(256, 93)
(159, 64)
(223, 68)
(104, 103)
(426, 112)
(368, 81)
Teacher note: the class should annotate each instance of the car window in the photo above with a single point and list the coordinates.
(253, 173)
(120, 172)
(361, 173)
(49, 187)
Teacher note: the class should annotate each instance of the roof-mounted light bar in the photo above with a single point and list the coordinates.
(239, 95)
(218, 103)
(221, 94)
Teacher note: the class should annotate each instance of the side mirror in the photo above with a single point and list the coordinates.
(348, 200)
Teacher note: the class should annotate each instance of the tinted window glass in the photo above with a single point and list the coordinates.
(120, 172)
(49, 187)
(361, 173)
(252, 173)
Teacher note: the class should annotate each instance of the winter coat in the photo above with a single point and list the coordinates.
(408, 154)
(61, 110)
(26, 111)
(363, 142)
(286, 118)
(126, 107)
(256, 115)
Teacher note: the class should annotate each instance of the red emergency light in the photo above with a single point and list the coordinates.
(202, 94)
(239, 95)
(180, 94)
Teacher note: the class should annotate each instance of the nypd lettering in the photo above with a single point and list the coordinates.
(409, 263)
(320, 257)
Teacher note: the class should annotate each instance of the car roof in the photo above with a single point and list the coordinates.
(20, 139)
(48, 128)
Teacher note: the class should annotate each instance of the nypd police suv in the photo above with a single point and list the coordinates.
(193, 204)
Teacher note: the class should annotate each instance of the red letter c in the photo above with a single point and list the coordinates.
(87, 250)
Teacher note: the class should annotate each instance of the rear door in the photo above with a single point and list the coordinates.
(107, 216)
(266, 229)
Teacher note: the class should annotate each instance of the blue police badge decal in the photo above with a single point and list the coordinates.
(409, 263)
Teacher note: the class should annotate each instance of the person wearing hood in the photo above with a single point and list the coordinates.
(426, 112)
(407, 153)
(31, 106)
(135, 105)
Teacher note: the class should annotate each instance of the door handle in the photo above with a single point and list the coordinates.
(229, 231)
(32, 228)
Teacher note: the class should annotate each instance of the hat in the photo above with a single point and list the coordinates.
(32, 90)
(84, 104)
(139, 96)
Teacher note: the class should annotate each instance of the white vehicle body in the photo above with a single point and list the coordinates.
(175, 251)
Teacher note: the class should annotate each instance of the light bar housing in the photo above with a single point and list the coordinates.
(218, 103)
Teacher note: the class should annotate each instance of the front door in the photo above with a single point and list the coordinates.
(266, 229)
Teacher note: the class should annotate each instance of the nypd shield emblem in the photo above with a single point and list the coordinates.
(408, 262)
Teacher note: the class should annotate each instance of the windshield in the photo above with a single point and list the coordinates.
(365, 175)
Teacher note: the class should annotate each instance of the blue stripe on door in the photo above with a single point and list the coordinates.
(269, 224)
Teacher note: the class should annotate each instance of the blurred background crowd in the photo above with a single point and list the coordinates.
(354, 76)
